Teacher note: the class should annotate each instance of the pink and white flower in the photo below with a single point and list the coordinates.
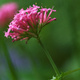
(28, 23)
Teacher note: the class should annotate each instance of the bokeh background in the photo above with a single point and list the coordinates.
(60, 37)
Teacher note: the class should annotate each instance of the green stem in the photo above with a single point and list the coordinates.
(49, 57)
(8, 59)
(69, 72)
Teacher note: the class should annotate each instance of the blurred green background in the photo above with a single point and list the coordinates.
(60, 37)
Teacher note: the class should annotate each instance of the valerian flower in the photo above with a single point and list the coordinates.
(7, 12)
(29, 23)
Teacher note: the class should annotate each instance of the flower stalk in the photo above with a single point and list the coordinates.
(69, 72)
(49, 57)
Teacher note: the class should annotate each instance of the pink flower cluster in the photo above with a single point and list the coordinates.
(7, 12)
(28, 23)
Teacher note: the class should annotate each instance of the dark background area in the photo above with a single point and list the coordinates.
(60, 37)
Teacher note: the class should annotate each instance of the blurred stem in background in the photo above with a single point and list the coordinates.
(49, 57)
(7, 56)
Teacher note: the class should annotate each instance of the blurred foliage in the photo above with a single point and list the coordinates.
(60, 37)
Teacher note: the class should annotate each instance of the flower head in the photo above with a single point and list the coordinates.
(7, 12)
(28, 23)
